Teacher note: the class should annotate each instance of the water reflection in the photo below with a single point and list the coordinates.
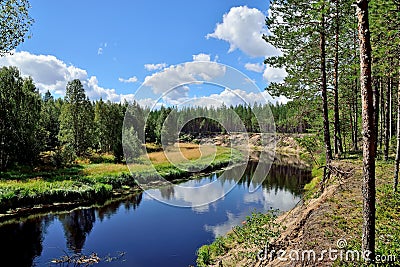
(130, 203)
(280, 177)
(139, 225)
(22, 242)
(77, 225)
(281, 189)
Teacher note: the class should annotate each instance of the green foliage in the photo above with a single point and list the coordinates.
(64, 156)
(207, 252)
(314, 146)
(49, 120)
(388, 217)
(133, 147)
(204, 256)
(14, 24)
(257, 229)
(255, 232)
(108, 121)
(20, 133)
(76, 118)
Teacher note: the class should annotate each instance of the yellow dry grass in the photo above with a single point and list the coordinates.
(181, 152)
(101, 168)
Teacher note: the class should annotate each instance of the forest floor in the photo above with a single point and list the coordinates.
(323, 222)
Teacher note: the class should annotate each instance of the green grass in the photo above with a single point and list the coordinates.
(258, 229)
(87, 181)
(312, 189)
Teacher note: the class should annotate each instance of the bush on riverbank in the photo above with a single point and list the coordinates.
(252, 236)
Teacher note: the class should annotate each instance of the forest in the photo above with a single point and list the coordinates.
(350, 64)
(342, 60)
(66, 128)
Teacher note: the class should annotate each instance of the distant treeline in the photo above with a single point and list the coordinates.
(71, 126)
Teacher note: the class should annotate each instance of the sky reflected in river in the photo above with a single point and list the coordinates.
(151, 233)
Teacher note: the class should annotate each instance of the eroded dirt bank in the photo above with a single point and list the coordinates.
(329, 221)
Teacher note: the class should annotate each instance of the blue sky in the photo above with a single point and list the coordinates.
(113, 47)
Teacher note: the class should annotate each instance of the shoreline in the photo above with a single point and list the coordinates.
(99, 198)
(319, 223)
(95, 190)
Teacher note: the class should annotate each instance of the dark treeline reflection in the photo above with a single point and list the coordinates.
(21, 242)
(130, 203)
(77, 225)
(280, 177)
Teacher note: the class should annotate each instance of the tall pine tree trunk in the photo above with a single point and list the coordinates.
(369, 135)
(396, 170)
(387, 121)
(355, 116)
(390, 108)
(376, 107)
(355, 97)
(338, 149)
(327, 139)
(352, 124)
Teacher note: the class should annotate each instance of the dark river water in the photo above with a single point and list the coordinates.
(149, 232)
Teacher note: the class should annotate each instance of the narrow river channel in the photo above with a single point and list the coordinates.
(149, 232)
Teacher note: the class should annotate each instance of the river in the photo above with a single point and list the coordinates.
(147, 231)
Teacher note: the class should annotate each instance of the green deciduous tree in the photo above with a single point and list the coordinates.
(20, 106)
(14, 24)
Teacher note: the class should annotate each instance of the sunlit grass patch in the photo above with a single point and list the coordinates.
(254, 232)
(88, 181)
(102, 168)
(182, 152)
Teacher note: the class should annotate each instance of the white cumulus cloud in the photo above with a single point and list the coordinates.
(201, 57)
(256, 67)
(232, 97)
(153, 67)
(129, 80)
(190, 72)
(51, 73)
(242, 28)
(274, 74)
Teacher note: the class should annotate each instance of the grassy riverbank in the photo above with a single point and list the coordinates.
(317, 224)
(86, 182)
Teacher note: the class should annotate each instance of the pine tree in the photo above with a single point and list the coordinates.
(50, 121)
(76, 119)
(369, 135)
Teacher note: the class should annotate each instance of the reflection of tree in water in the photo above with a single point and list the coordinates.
(131, 202)
(77, 225)
(167, 192)
(21, 242)
(279, 177)
(287, 177)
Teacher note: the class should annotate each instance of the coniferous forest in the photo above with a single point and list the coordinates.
(342, 85)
